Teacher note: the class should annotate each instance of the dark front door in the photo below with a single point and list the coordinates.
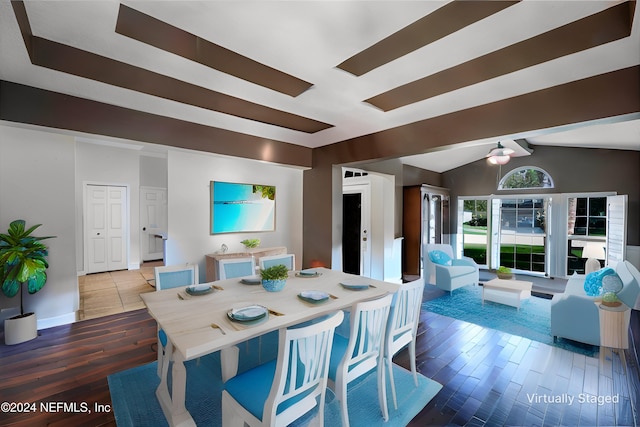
(351, 226)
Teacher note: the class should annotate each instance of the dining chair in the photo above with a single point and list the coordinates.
(236, 267)
(402, 327)
(167, 277)
(285, 389)
(361, 352)
(288, 260)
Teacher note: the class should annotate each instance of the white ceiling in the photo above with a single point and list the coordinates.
(308, 39)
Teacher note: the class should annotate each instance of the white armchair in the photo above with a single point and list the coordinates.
(448, 273)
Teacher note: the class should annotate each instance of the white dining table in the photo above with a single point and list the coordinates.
(187, 320)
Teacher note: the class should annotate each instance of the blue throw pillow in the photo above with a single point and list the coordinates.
(439, 257)
(593, 281)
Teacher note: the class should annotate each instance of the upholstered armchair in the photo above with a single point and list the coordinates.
(574, 314)
(445, 271)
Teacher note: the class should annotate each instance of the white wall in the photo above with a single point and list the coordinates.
(37, 185)
(99, 164)
(189, 176)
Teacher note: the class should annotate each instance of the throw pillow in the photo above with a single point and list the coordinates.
(593, 281)
(439, 257)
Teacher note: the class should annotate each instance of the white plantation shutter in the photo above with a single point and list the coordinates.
(616, 229)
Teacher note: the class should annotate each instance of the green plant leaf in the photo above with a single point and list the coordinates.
(37, 281)
(10, 288)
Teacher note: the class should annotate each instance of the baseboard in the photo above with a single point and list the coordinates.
(64, 319)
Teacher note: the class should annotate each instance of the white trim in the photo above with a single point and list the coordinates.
(64, 319)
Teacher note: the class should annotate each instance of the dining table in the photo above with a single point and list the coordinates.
(202, 322)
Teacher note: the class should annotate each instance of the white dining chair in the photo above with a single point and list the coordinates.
(236, 267)
(361, 353)
(285, 389)
(167, 277)
(402, 328)
(289, 260)
(173, 276)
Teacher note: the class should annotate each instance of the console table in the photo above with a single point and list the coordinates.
(211, 260)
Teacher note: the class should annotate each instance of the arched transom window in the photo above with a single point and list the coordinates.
(526, 177)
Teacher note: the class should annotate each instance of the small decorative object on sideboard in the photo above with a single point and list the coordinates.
(504, 273)
(251, 243)
(274, 278)
(611, 285)
(23, 260)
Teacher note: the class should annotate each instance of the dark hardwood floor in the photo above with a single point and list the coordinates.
(490, 378)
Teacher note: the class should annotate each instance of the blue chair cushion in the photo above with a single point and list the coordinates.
(593, 281)
(338, 349)
(439, 257)
(251, 389)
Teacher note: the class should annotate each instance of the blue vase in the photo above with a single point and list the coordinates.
(273, 285)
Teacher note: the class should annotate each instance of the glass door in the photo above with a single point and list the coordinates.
(522, 232)
(474, 230)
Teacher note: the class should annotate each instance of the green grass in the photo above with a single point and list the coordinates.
(469, 229)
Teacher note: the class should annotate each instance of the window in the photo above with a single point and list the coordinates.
(526, 177)
(474, 230)
(587, 227)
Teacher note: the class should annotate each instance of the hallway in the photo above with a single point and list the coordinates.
(102, 294)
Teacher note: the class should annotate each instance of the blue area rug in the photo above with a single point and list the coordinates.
(532, 321)
(135, 403)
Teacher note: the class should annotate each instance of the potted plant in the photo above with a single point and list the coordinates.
(504, 273)
(274, 277)
(251, 243)
(23, 259)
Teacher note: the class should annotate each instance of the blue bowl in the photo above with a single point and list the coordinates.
(273, 285)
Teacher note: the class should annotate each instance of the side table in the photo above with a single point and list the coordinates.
(614, 326)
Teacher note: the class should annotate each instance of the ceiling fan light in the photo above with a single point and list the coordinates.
(498, 160)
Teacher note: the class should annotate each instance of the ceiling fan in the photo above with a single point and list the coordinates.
(499, 155)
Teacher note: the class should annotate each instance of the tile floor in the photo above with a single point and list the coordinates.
(102, 294)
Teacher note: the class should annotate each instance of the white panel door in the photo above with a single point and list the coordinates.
(106, 231)
(153, 221)
(96, 230)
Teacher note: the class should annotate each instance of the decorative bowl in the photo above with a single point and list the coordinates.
(273, 285)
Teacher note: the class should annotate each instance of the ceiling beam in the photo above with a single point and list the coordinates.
(595, 30)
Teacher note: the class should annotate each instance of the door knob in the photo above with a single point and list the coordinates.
(97, 234)
(144, 228)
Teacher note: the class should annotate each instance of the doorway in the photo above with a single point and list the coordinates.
(355, 226)
(106, 230)
(153, 222)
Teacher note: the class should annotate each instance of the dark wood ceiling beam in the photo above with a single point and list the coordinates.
(29, 105)
(71, 60)
(595, 30)
(152, 31)
(607, 95)
(446, 20)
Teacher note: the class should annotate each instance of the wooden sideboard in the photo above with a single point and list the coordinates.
(211, 260)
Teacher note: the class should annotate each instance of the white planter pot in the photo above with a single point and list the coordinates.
(20, 329)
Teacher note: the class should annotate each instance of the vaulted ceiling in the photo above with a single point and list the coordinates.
(296, 75)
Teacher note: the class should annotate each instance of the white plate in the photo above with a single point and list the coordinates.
(201, 289)
(355, 286)
(308, 273)
(251, 280)
(313, 297)
(248, 314)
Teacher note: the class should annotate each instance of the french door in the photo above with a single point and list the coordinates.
(519, 237)
(510, 232)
